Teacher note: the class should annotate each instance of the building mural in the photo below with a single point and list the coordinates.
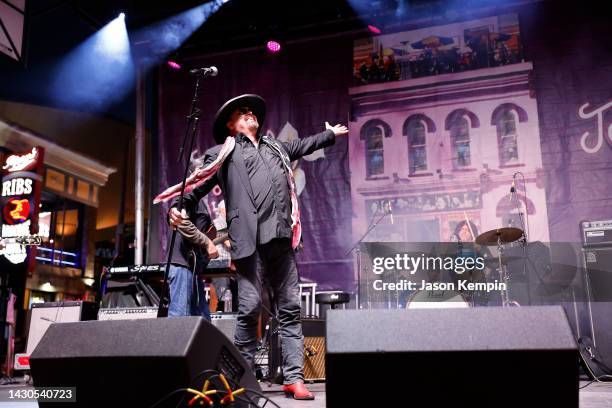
(458, 47)
(440, 148)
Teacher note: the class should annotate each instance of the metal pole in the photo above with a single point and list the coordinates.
(139, 173)
(120, 229)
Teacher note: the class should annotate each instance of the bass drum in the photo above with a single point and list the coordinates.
(437, 299)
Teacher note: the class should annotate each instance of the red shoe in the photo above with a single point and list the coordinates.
(297, 391)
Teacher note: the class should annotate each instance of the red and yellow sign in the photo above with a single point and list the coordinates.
(16, 211)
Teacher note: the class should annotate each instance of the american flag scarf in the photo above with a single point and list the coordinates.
(201, 174)
(296, 225)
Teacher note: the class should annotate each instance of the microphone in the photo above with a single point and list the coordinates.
(205, 71)
(391, 212)
(513, 188)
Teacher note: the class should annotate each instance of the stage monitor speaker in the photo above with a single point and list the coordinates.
(135, 363)
(476, 357)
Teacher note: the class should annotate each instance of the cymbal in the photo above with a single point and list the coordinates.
(506, 236)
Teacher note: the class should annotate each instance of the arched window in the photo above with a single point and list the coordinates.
(507, 138)
(459, 122)
(375, 154)
(460, 139)
(373, 133)
(417, 146)
(416, 128)
(505, 118)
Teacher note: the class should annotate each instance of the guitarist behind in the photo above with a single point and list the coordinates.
(192, 252)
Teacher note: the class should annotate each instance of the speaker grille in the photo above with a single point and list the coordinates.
(314, 358)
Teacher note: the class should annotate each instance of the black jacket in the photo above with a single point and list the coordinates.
(233, 179)
(188, 247)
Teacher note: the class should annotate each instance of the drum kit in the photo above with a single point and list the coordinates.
(498, 237)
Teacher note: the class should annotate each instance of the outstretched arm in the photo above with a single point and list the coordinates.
(302, 147)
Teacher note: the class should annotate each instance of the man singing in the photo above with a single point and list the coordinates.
(255, 175)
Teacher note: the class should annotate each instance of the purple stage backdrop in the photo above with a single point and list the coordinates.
(304, 86)
(441, 117)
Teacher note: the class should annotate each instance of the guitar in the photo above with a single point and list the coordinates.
(220, 239)
(214, 236)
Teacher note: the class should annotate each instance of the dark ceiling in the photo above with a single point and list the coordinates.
(247, 23)
(54, 27)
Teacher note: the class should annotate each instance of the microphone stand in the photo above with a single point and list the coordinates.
(525, 242)
(373, 223)
(191, 130)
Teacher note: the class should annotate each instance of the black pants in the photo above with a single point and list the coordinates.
(280, 271)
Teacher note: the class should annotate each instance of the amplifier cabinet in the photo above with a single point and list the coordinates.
(314, 349)
(598, 263)
(127, 313)
(225, 322)
(597, 232)
(44, 315)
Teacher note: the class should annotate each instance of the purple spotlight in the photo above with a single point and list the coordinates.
(373, 29)
(273, 46)
(174, 65)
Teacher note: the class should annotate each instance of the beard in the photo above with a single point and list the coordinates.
(252, 123)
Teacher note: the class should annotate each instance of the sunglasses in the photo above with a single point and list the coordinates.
(244, 110)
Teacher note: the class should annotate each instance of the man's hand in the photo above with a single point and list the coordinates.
(211, 250)
(177, 217)
(339, 130)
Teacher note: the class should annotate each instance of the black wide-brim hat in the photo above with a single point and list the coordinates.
(256, 103)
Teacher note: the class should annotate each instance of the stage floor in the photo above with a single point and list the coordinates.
(596, 395)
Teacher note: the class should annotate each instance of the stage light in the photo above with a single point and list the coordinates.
(159, 40)
(273, 46)
(373, 29)
(174, 65)
(98, 72)
(401, 9)
(112, 41)
(122, 16)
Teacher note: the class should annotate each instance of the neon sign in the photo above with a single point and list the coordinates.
(15, 253)
(17, 186)
(17, 211)
(22, 162)
(21, 187)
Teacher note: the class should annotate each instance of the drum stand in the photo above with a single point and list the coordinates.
(499, 237)
(356, 248)
(503, 277)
